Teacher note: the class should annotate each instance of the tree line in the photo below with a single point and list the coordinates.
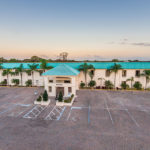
(38, 59)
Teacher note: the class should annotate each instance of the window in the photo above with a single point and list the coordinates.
(37, 82)
(92, 72)
(59, 81)
(137, 73)
(50, 81)
(69, 90)
(123, 82)
(41, 71)
(29, 73)
(124, 73)
(67, 81)
(107, 73)
(50, 89)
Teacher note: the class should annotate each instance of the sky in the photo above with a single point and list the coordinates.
(86, 29)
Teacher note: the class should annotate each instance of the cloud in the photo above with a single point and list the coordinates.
(88, 57)
(141, 44)
(125, 41)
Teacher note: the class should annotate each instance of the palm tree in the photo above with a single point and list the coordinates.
(108, 84)
(115, 68)
(132, 80)
(101, 79)
(20, 70)
(44, 66)
(33, 68)
(146, 74)
(85, 67)
(1, 67)
(6, 73)
(91, 74)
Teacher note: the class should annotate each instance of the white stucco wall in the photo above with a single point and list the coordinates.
(38, 80)
(99, 73)
(54, 85)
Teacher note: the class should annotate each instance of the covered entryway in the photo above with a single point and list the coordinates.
(59, 89)
(62, 78)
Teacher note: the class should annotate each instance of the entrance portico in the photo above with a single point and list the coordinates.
(61, 79)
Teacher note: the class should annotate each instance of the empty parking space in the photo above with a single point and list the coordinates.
(142, 117)
(101, 120)
(79, 115)
(19, 110)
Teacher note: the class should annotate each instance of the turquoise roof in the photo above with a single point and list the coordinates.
(62, 69)
(97, 65)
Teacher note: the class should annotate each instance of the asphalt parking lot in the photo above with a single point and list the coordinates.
(98, 120)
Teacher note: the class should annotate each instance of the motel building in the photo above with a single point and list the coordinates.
(66, 77)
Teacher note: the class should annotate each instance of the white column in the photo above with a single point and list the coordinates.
(65, 91)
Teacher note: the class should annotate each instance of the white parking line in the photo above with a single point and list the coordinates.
(89, 109)
(53, 113)
(8, 109)
(69, 114)
(142, 108)
(61, 113)
(31, 112)
(115, 109)
(23, 106)
(82, 107)
(112, 121)
(132, 118)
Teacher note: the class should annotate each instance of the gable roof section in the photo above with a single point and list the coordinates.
(62, 70)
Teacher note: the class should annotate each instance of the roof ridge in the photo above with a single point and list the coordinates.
(62, 69)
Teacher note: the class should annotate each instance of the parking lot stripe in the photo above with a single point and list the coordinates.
(69, 114)
(49, 117)
(8, 109)
(89, 115)
(61, 113)
(133, 119)
(142, 109)
(129, 114)
(27, 115)
(115, 109)
(112, 121)
(80, 109)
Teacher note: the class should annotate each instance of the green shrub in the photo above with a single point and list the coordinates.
(39, 99)
(82, 84)
(68, 100)
(28, 83)
(124, 85)
(92, 83)
(137, 85)
(72, 95)
(60, 97)
(4, 82)
(15, 81)
(108, 84)
(45, 96)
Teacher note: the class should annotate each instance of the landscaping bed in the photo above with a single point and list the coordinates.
(67, 101)
(42, 99)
